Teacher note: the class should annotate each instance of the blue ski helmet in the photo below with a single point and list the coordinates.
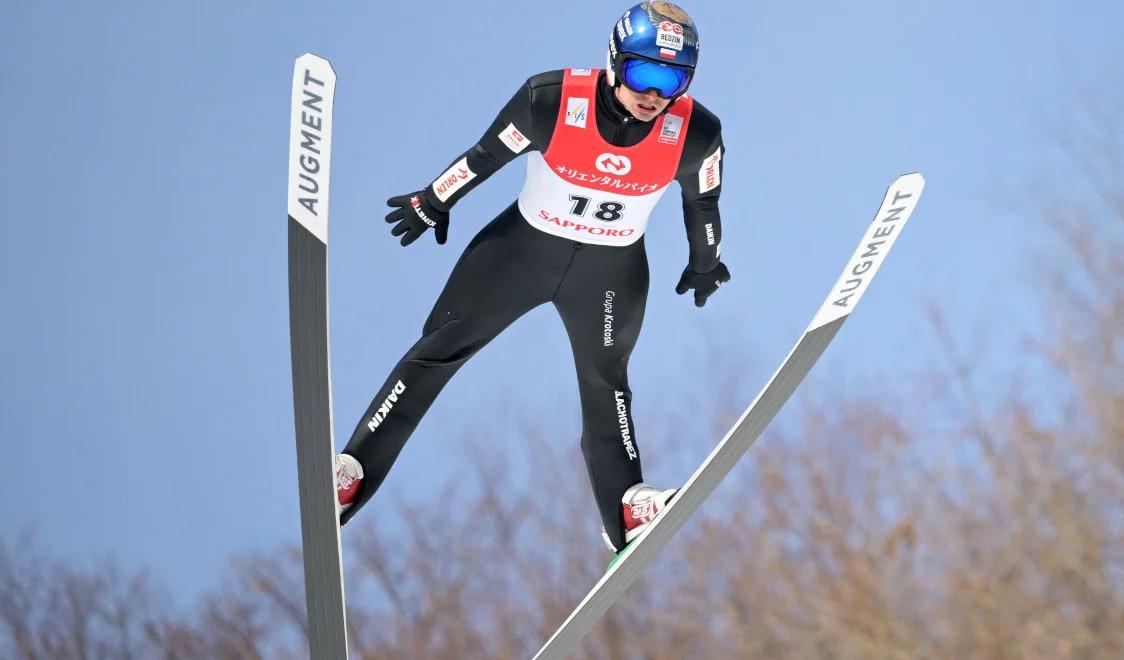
(654, 46)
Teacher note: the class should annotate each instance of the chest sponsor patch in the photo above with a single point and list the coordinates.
(710, 174)
(613, 164)
(577, 110)
(670, 130)
(514, 138)
(453, 179)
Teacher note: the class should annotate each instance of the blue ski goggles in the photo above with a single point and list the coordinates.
(641, 75)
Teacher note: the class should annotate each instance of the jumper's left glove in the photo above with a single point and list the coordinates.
(704, 284)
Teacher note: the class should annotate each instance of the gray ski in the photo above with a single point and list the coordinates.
(310, 146)
(897, 206)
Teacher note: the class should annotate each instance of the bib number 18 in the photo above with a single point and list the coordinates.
(606, 211)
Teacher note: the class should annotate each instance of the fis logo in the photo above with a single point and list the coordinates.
(577, 109)
(387, 405)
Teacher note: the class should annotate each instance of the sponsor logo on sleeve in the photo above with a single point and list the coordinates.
(670, 129)
(453, 179)
(514, 138)
(580, 72)
(577, 110)
(710, 174)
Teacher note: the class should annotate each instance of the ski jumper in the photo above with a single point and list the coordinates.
(574, 238)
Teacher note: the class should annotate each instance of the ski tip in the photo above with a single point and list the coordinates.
(913, 180)
(310, 58)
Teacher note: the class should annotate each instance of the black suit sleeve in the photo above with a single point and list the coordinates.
(531, 111)
(700, 177)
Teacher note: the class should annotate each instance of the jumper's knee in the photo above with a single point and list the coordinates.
(450, 345)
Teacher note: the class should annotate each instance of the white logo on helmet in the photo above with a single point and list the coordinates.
(670, 35)
(614, 164)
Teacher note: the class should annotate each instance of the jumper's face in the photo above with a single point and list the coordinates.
(644, 107)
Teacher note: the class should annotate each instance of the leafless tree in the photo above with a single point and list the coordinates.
(982, 524)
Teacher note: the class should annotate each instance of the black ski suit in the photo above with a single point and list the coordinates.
(511, 267)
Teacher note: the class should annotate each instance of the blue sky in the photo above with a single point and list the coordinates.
(145, 401)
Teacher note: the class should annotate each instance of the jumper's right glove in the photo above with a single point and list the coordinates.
(414, 214)
(704, 284)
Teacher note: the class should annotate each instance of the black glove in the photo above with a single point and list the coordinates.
(704, 284)
(414, 215)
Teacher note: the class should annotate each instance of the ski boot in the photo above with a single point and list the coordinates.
(640, 506)
(349, 476)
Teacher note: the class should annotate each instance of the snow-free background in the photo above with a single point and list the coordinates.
(145, 397)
